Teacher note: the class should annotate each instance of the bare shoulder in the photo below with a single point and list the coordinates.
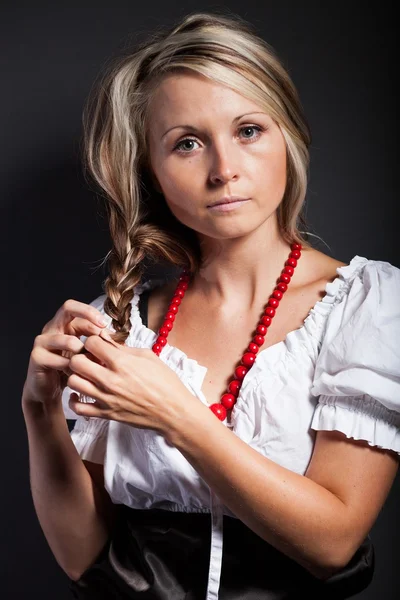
(318, 267)
(323, 262)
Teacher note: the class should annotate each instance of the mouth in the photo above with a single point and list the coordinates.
(230, 206)
(228, 200)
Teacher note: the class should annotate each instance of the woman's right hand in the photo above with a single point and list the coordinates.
(48, 369)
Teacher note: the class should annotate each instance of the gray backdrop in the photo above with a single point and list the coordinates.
(54, 230)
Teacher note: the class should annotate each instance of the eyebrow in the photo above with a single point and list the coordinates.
(197, 130)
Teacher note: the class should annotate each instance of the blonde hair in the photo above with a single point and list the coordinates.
(225, 49)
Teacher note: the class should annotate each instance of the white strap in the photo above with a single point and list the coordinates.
(214, 574)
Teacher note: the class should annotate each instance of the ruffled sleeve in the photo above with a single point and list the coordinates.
(89, 436)
(357, 374)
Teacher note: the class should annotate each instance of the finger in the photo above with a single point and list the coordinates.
(106, 335)
(79, 327)
(72, 309)
(82, 409)
(93, 358)
(86, 387)
(60, 341)
(43, 358)
(89, 369)
(105, 351)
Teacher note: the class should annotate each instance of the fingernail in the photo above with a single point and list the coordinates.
(102, 321)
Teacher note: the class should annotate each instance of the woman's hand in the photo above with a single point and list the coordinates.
(130, 385)
(53, 348)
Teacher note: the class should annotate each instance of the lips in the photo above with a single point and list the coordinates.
(229, 200)
(225, 207)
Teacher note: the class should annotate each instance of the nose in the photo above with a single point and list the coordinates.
(224, 166)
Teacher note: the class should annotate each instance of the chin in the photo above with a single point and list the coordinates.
(233, 229)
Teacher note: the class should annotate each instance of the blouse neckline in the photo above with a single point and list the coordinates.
(179, 360)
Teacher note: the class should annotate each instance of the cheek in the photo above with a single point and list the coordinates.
(179, 182)
(274, 171)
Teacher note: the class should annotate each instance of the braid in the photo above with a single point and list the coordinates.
(125, 272)
(127, 265)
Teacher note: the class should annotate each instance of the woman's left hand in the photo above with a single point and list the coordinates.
(130, 385)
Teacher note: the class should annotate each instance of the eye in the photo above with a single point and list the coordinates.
(179, 146)
(254, 128)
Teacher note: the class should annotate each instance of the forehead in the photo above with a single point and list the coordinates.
(189, 97)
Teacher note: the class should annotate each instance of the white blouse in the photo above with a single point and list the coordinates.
(339, 371)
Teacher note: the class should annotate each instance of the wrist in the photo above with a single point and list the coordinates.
(37, 408)
(191, 417)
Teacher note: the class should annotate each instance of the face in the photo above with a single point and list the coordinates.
(206, 141)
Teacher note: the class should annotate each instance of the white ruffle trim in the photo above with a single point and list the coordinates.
(90, 438)
(304, 339)
(359, 417)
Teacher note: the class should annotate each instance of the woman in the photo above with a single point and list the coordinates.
(233, 418)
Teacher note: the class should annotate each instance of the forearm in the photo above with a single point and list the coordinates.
(64, 495)
(294, 514)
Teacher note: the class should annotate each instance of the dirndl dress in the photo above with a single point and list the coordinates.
(157, 554)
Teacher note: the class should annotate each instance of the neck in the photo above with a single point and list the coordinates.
(240, 272)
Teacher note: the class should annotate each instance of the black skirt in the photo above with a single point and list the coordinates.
(164, 555)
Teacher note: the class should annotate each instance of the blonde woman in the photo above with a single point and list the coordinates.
(237, 423)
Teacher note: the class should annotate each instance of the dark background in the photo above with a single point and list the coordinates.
(55, 234)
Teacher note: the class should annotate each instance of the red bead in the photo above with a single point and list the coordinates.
(219, 411)
(229, 398)
(228, 401)
(266, 321)
(234, 386)
(291, 262)
(282, 287)
(248, 359)
(273, 302)
(240, 372)
(253, 348)
(289, 271)
(285, 278)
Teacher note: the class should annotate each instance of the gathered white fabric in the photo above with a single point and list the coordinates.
(339, 371)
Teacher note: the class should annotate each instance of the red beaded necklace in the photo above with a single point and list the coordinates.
(228, 399)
